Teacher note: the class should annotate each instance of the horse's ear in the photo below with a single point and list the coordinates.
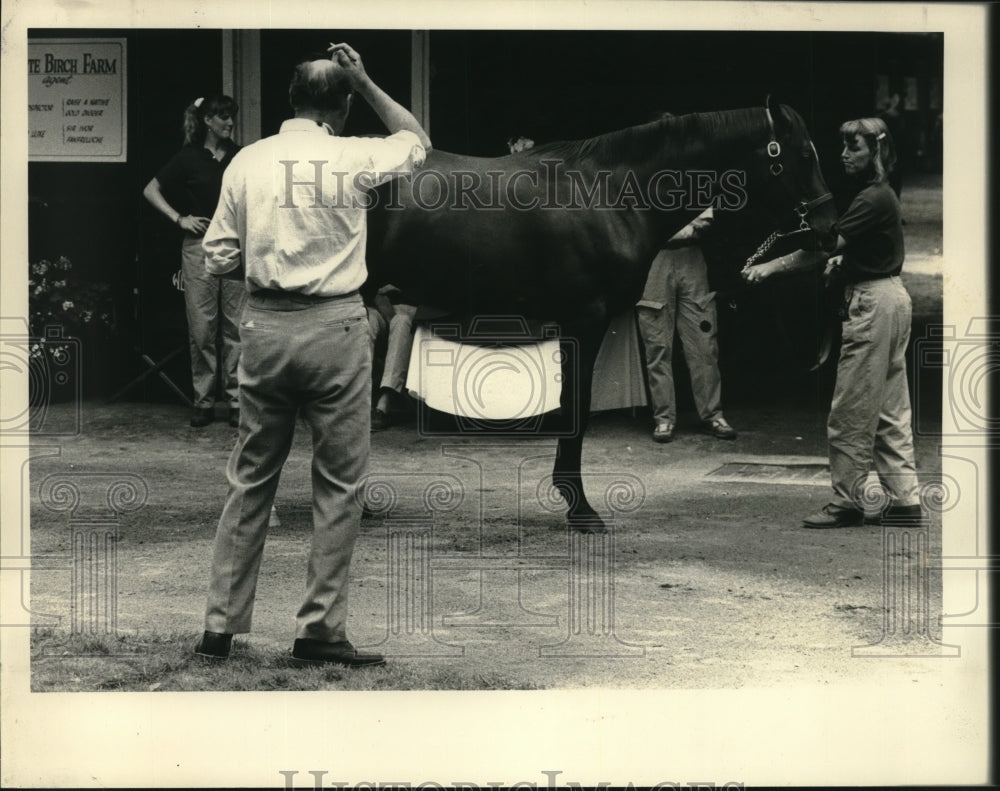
(774, 108)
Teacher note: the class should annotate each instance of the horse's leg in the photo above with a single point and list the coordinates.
(580, 345)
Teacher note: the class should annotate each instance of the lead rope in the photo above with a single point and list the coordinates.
(762, 250)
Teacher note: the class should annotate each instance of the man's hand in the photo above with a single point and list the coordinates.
(390, 112)
(757, 274)
(345, 56)
(799, 261)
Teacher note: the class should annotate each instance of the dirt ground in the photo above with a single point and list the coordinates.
(706, 579)
(709, 583)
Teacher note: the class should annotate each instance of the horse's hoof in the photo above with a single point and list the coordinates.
(587, 523)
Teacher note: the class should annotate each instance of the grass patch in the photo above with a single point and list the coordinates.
(63, 662)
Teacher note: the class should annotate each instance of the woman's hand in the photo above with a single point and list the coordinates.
(832, 265)
(194, 225)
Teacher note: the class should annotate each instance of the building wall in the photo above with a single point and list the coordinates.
(95, 215)
(485, 86)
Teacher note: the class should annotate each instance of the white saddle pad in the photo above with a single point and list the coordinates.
(500, 382)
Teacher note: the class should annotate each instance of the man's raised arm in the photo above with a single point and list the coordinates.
(395, 117)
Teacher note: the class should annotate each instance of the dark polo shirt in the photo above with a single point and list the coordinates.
(873, 229)
(192, 179)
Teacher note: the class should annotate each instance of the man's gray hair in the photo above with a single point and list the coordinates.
(319, 84)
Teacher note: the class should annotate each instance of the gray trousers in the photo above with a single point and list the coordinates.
(309, 359)
(870, 417)
(690, 308)
(213, 305)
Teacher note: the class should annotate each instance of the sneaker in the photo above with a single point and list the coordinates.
(202, 416)
(719, 428)
(831, 516)
(663, 432)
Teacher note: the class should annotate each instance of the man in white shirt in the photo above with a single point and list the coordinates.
(292, 218)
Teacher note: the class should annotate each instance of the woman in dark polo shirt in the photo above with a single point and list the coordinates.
(870, 423)
(186, 191)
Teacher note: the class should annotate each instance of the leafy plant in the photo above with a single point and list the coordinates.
(58, 297)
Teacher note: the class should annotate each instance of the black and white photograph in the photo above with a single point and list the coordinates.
(530, 394)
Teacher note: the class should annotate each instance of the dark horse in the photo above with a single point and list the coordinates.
(566, 232)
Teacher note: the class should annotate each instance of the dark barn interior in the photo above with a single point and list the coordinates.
(485, 86)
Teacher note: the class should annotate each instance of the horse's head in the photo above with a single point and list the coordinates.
(788, 174)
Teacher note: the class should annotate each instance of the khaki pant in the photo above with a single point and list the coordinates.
(870, 417)
(690, 308)
(213, 305)
(309, 359)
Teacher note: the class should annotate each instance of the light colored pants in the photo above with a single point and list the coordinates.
(870, 417)
(308, 359)
(212, 304)
(397, 354)
(690, 308)
(399, 331)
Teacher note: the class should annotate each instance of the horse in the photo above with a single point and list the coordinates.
(566, 232)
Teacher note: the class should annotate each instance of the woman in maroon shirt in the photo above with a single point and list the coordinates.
(186, 191)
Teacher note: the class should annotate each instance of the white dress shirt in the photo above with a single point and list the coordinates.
(292, 208)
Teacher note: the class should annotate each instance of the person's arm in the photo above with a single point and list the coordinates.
(223, 254)
(693, 232)
(395, 117)
(154, 194)
(799, 261)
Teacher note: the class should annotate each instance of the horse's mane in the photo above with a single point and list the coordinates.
(648, 139)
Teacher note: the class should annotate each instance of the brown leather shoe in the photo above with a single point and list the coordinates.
(307, 651)
(831, 516)
(214, 645)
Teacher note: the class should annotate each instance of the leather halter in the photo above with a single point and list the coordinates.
(802, 209)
